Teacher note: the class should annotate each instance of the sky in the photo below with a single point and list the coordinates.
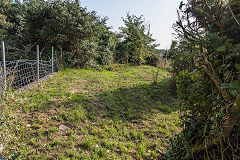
(161, 14)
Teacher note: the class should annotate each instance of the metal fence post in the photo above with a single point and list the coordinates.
(52, 59)
(4, 66)
(38, 63)
(61, 53)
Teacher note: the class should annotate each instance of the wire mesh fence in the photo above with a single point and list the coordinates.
(19, 73)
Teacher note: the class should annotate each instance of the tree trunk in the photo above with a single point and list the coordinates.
(77, 2)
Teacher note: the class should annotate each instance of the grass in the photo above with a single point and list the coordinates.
(113, 113)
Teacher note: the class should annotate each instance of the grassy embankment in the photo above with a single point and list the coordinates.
(115, 113)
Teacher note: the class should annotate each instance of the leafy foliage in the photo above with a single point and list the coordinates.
(206, 64)
(80, 37)
(83, 36)
(137, 44)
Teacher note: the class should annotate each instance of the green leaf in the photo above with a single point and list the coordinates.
(233, 92)
(224, 86)
(221, 49)
(234, 85)
(213, 119)
(237, 66)
(204, 104)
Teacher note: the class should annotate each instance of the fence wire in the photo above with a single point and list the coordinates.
(16, 74)
(20, 73)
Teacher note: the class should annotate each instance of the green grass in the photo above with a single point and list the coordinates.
(113, 113)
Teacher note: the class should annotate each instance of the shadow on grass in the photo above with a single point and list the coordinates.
(135, 103)
(79, 110)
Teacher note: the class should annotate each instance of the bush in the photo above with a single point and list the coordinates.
(206, 65)
(83, 36)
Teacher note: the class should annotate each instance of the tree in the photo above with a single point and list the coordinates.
(84, 37)
(139, 42)
(77, 2)
(5, 23)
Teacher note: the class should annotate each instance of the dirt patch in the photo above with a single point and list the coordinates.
(78, 88)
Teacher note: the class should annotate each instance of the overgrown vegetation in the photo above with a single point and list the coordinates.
(137, 44)
(122, 111)
(116, 112)
(81, 38)
(206, 61)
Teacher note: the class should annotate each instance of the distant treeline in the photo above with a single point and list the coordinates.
(83, 37)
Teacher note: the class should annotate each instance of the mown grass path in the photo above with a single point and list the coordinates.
(113, 113)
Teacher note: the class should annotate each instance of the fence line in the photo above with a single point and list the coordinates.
(19, 73)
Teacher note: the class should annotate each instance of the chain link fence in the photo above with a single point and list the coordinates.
(19, 73)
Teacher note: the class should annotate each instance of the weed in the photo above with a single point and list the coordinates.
(53, 130)
(134, 134)
(89, 142)
(56, 142)
(102, 152)
(70, 132)
(123, 149)
(153, 155)
(141, 150)
(32, 141)
(163, 108)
